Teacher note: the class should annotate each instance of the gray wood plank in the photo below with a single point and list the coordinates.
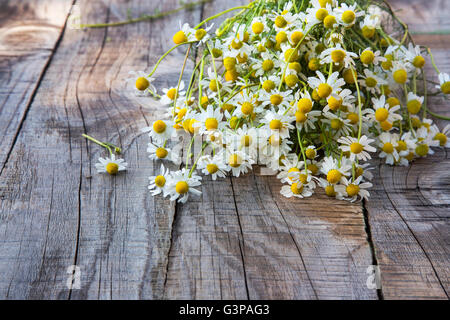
(408, 211)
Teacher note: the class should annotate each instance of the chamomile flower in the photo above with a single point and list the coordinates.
(371, 81)
(209, 120)
(414, 56)
(110, 165)
(265, 64)
(238, 162)
(163, 153)
(181, 184)
(277, 99)
(141, 82)
(444, 83)
(338, 56)
(414, 103)
(170, 94)
(335, 171)
(325, 87)
(307, 121)
(213, 165)
(382, 111)
(161, 130)
(442, 136)
(369, 57)
(353, 189)
(158, 182)
(348, 14)
(296, 189)
(358, 149)
(388, 144)
(279, 122)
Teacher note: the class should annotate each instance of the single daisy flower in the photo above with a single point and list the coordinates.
(353, 189)
(158, 182)
(181, 184)
(110, 165)
(141, 82)
(213, 165)
(358, 149)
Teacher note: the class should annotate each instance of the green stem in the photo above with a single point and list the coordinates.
(166, 54)
(179, 80)
(187, 6)
(359, 103)
(221, 14)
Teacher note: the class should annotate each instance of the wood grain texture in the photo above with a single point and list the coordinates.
(409, 208)
(240, 240)
(29, 31)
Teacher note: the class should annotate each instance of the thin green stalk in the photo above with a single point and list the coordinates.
(166, 54)
(221, 14)
(187, 6)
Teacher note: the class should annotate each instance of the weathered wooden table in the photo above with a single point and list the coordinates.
(241, 240)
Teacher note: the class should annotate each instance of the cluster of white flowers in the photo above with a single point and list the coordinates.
(311, 89)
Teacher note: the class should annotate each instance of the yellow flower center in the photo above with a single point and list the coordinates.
(401, 146)
(392, 101)
(304, 105)
(313, 168)
(160, 181)
(214, 85)
(281, 37)
(276, 99)
(310, 153)
(352, 190)
(359, 171)
(356, 147)
(297, 188)
(276, 124)
(217, 52)
(212, 168)
(211, 124)
(303, 178)
(231, 75)
(179, 37)
(291, 80)
(247, 108)
(267, 65)
(336, 124)
(445, 87)
(172, 93)
(371, 82)
(274, 140)
(296, 37)
(300, 117)
(323, 3)
(182, 187)
(368, 32)
(381, 114)
(321, 14)
(159, 126)
(387, 65)
(348, 16)
(334, 103)
(314, 64)
(353, 117)
(414, 106)
(257, 27)
(242, 58)
(367, 57)
(268, 85)
(112, 168)
(200, 34)
(386, 125)
(234, 123)
(161, 153)
(280, 22)
(142, 83)
(329, 21)
(236, 44)
(442, 138)
(295, 66)
(400, 76)
(348, 76)
(234, 160)
(419, 62)
(324, 90)
(291, 55)
(388, 147)
(329, 190)
(334, 176)
(422, 150)
(338, 55)
(246, 140)
(229, 63)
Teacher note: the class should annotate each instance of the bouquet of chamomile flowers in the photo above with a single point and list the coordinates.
(312, 89)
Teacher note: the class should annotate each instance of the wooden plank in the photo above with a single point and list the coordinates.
(408, 211)
(29, 31)
(55, 210)
(242, 240)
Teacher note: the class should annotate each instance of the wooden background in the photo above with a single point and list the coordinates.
(241, 239)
